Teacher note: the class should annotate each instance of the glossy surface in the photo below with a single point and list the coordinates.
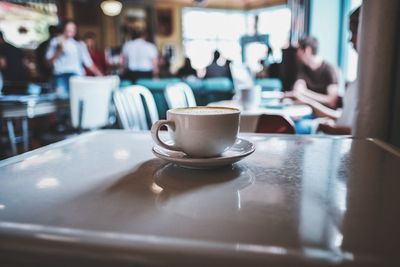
(103, 199)
(241, 149)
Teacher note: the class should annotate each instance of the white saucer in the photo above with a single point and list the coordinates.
(241, 149)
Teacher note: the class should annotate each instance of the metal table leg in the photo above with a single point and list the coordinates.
(25, 133)
(11, 136)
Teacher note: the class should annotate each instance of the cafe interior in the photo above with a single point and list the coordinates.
(110, 108)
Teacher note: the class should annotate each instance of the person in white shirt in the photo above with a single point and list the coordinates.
(139, 58)
(67, 56)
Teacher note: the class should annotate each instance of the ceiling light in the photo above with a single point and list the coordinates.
(111, 7)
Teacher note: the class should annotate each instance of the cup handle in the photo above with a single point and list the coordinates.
(154, 134)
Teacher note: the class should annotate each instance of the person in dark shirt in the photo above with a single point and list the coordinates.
(12, 67)
(316, 78)
(215, 70)
(186, 70)
(45, 71)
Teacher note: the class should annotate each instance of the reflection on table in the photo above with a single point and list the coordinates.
(103, 199)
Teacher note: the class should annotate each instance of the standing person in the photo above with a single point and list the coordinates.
(139, 57)
(338, 121)
(13, 68)
(316, 79)
(98, 56)
(45, 71)
(67, 56)
(164, 66)
(215, 70)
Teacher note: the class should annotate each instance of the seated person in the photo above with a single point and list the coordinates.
(186, 70)
(263, 73)
(215, 69)
(316, 79)
(337, 121)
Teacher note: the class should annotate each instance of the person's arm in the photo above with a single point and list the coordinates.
(54, 51)
(155, 67)
(95, 70)
(319, 110)
(88, 62)
(330, 99)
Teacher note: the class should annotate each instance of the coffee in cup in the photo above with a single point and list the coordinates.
(199, 131)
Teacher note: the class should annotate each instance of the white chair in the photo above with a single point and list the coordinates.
(90, 101)
(131, 103)
(179, 95)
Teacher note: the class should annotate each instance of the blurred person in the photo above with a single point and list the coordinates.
(114, 62)
(13, 68)
(263, 73)
(317, 79)
(97, 56)
(68, 56)
(45, 71)
(186, 70)
(164, 66)
(216, 69)
(332, 121)
(140, 57)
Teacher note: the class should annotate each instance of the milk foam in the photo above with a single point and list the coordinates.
(204, 111)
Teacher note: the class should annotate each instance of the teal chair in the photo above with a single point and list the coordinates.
(157, 88)
(270, 84)
(157, 84)
(125, 83)
(216, 89)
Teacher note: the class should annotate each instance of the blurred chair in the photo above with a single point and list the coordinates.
(90, 101)
(131, 104)
(269, 84)
(179, 95)
(270, 123)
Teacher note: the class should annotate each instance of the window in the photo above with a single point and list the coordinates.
(26, 25)
(276, 23)
(205, 30)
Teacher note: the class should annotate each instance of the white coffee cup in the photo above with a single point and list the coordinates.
(199, 131)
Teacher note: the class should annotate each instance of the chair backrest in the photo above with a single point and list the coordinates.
(131, 104)
(179, 95)
(90, 100)
(270, 123)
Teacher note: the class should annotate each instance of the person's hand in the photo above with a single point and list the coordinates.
(288, 94)
(325, 124)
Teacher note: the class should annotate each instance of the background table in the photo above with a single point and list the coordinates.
(249, 118)
(103, 199)
(25, 107)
